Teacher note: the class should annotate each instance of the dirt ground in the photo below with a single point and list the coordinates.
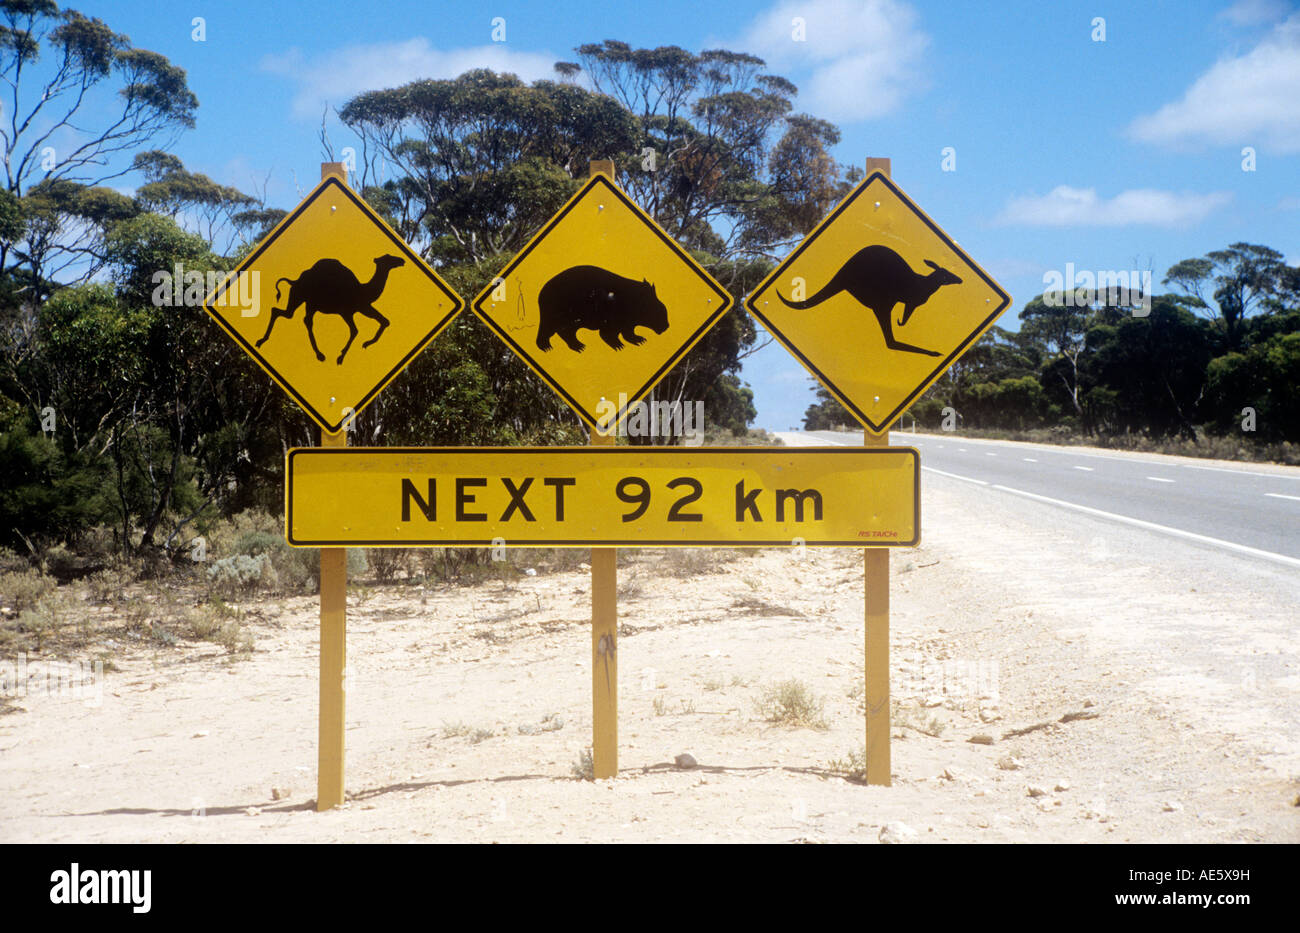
(1154, 684)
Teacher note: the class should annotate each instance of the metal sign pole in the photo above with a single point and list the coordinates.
(604, 621)
(333, 636)
(876, 597)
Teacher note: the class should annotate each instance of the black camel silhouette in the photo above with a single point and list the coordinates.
(878, 278)
(329, 287)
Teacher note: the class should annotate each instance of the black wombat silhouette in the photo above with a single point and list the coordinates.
(878, 278)
(596, 299)
(329, 287)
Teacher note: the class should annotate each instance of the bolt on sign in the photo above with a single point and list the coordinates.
(601, 303)
(602, 496)
(877, 302)
(339, 304)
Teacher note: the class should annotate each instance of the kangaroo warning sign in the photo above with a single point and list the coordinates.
(602, 496)
(877, 302)
(601, 303)
(333, 304)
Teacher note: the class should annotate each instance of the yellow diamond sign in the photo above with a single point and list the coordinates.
(877, 302)
(333, 304)
(601, 303)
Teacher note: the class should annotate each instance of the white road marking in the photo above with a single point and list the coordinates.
(1139, 523)
(1087, 469)
(1131, 458)
(1152, 526)
(1159, 479)
(987, 454)
(1029, 459)
(977, 482)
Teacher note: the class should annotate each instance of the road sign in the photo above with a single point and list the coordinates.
(877, 302)
(333, 304)
(602, 496)
(601, 303)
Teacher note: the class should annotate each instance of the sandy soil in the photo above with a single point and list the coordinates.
(469, 706)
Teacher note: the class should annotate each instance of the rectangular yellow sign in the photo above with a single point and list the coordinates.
(602, 496)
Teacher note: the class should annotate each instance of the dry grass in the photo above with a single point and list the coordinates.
(791, 703)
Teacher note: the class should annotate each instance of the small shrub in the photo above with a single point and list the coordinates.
(220, 624)
(47, 618)
(62, 563)
(914, 716)
(11, 560)
(108, 587)
(23, 589)
(584, 769)
(102, 588)
(387, 562)
(241, 575)
(98, 546)
(661, 706)
(227, 537)
(791, 703)
(853, 766)
(159, 634)
(695, 561)
(630, 587)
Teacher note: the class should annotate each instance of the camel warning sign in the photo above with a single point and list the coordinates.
(602, 496)
(601, 303)
(877, 302)
(333, 304)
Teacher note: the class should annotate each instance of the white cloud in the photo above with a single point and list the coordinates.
(1254, 12)
(335, 76)
(1249, 99)
(862, 59)
(1081, 207)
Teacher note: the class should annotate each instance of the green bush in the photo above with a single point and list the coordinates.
(791, 703)
(20, 590)
(47, 618)
(11, 560)
(242, 575)
(388, 562)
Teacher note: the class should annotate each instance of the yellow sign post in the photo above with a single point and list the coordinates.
(601, 303)
(602, 496)
(333, 304)
(877, 302)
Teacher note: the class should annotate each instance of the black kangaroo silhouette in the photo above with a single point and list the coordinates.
(329, 287)
(596, 299)
(878, 278)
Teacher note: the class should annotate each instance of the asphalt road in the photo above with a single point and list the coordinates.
(1250, 512)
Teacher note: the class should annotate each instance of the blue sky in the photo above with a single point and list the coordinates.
(1111, 155)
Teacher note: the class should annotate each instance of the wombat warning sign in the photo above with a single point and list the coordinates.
(602, 303)
(877, 302)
